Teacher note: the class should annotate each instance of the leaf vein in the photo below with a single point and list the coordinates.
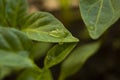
(100, 9)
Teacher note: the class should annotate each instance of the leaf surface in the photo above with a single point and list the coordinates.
(42, 26)
(4, 71)
(13, 40)
(3, 21)
(99, 15)
(45, 75)
(76, 60)
(29, 74)
(32, 74)
(11, 59)
(12, 12)
(58, 53)
(39, 50)
(14, 48)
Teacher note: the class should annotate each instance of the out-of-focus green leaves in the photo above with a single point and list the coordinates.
(2, 13)
(25, 41)
(13, 40)
(11, 59)
(58, 53)
(12, 12)
(4, 71)
(39, 50)
(76, 60)
(29, 74)
(99, 15)
(15, 11)
(42, 26)
(45, 75)
(32, 74)
(14, 46)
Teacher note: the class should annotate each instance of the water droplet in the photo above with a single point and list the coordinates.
(58, 33)
(91, 28)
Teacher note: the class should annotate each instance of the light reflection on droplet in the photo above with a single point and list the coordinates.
(58, 33)
(91, 28)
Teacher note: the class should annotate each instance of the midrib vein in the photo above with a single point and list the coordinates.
(100, 9)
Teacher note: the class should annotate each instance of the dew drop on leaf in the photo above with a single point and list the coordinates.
(91, 28)
(58, 33)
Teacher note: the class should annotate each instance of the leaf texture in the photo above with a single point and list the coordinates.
(13, 40)
(99, 15)
(77, 58)
(12, 12)
(14, 47)
(11, 59)
(58, 53)
(42, 26)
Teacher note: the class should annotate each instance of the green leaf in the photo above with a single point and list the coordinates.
(12, 12)
(32, 74)
(99, 15)
(42, 26)
(76, 60)
(11, 59)
(29, 74)
(2, 13)
(58, 53)
(45, 75)
(13, 40)
(14, 46)
(4, 71)
(39, 50)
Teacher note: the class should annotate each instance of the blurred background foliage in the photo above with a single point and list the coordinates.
(104, 65)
